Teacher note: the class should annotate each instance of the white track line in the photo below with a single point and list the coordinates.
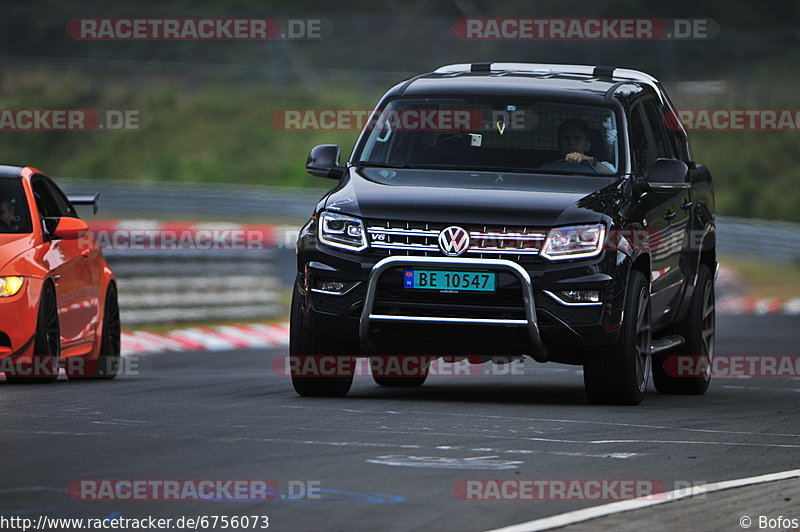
(553, 420)
(579, 516)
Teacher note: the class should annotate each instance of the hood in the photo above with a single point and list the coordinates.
(12, 245)
(480, 198)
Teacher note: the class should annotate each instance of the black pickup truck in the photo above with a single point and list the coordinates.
(500, 210)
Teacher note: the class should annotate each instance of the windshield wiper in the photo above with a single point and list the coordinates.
(381, 165)
(486, 169)
(564, 172)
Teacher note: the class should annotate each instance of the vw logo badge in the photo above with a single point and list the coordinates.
(453, 241)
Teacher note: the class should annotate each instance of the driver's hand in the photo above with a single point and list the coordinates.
(578, 157)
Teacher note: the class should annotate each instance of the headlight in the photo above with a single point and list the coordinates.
(574, 242)
(9, 286)
(341, 231)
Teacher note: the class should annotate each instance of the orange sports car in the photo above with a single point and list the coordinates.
(58, 297)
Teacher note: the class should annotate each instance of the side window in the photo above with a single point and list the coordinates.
(63, 206)
(44, 199)
(51, 201)
(641, 143)
(662, 144)
(678, 137)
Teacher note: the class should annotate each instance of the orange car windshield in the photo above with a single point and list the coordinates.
(14, 214)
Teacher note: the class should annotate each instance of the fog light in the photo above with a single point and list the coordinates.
(580, 296)
(330, 286)
(336, 288)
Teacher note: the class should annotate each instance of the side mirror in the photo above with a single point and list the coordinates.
(323, 161)
(668, 174)
(70, 228)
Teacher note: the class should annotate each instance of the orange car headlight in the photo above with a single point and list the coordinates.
(10, 286)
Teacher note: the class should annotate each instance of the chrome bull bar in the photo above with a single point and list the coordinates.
(367, 316)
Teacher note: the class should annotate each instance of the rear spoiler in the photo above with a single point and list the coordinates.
(85, 199)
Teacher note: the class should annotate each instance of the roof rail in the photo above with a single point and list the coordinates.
(602, 72)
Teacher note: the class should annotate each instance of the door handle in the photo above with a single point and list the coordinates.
(687, 205)
(670, 216)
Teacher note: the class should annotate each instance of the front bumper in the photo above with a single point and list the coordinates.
(18, 317)
(529, 305)
(540, 326)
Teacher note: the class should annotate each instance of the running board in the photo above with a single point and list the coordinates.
(666, 343)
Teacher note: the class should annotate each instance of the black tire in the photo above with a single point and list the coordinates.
(106, 365)
(698, 331)
(620, 375)
(307, 350)
(384, 373)
(47, 346)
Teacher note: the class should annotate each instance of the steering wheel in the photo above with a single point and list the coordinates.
(564, 165)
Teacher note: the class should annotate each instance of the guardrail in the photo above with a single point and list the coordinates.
(759, 239)
(174, 287)
(203, 201)
(178, 272)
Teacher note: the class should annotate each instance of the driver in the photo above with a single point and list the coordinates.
(7, 214)
(573, 141)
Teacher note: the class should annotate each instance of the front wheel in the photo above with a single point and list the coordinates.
(47, 346)
(620, 375)
(317, 369)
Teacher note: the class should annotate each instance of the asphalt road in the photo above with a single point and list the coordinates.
(384, 459)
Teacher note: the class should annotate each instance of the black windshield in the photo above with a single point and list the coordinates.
(502, 134)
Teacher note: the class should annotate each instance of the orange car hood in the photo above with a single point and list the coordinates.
(12, 245)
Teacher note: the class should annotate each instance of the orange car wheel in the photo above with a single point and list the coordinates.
(47, 347)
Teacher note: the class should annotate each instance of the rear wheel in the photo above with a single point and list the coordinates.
(106, 365)
(318, 369)
(392, 371)
(47, 346)
(698, 331)
(620, 375)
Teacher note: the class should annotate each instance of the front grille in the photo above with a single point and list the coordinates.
(421, 239)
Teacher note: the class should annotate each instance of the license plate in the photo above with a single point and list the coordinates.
(448, 280)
